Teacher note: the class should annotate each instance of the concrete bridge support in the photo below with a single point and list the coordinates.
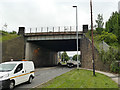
(40, 55)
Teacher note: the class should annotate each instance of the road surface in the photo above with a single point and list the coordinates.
(42, 75)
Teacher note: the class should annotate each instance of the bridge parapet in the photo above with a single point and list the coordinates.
(52, 33)
(52, 29)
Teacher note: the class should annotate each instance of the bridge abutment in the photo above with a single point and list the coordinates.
(39, 55)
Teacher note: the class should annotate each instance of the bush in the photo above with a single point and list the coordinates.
(99, 30)
(109, 38)
(109, 56)
(114, 67)
(4, 32)
(13, 32)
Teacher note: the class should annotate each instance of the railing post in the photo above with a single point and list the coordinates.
(53, 29)
(30, 30)
(64, 28)
(47, 29)
(36, 30)
(58, 29)
(41, 29)
(70, 28)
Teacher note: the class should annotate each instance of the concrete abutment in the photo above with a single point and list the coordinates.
(39, 55)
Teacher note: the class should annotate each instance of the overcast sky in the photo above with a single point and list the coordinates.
(43, 13)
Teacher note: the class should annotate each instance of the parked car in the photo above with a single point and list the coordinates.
(15, 72)
(72, 63)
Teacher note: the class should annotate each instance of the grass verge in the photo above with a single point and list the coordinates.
(8, 37)
(80, 79)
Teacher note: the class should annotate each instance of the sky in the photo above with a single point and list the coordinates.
(47, 13)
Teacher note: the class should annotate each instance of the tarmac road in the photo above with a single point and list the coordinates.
(42, 75)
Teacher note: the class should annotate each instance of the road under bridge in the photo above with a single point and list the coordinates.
(42, 48)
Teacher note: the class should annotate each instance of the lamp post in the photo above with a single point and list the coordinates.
(76, 34)
(93, 61)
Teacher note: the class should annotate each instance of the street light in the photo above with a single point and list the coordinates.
(76, 34)
(93, 61)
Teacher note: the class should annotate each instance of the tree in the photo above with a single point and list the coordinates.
(113, 25)
(64, 56)
(100, 23)
(75, 57)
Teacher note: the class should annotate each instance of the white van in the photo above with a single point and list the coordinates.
(16, 72)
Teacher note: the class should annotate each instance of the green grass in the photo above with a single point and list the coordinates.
(8, 37)
(80, 79)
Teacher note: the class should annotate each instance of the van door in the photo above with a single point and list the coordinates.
(19, 74)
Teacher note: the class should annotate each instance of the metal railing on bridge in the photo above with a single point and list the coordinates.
(51, 29)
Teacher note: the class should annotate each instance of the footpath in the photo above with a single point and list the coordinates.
(114, 77)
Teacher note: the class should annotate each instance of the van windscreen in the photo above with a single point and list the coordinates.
(6, 67)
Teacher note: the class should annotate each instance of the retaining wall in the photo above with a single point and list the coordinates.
(86, 51)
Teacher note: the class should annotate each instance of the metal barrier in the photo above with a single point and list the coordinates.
(51, 29)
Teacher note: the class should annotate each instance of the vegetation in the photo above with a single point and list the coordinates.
(80, 79)
(113, 25)
(64, 56)
(7, 35)
(75, 57)
(111, 35)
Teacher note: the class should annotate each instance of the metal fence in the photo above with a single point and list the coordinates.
(51, 29)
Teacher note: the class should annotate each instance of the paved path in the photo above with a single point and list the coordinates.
(43, 75)
(114, 77)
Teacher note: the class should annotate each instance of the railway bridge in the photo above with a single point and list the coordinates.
(43, 47)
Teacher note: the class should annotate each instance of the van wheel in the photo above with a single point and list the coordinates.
(30, 79)
(11, 85)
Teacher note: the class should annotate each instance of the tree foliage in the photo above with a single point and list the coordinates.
(100, 23)
(113, 25)
(109, 38)
(75, 57)
(64, 56)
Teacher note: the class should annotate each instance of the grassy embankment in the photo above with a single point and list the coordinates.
(80, 79)
(7, 36)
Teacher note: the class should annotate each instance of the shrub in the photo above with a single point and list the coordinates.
(111, 57)
(114, 67)
(99, 30)
(13, 32)
(109, 38)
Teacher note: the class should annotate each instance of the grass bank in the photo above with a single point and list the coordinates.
(80, 79)
(7, 36)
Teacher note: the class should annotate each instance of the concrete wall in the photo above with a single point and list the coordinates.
(13, 49)
(86, 55)
(40, 55)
